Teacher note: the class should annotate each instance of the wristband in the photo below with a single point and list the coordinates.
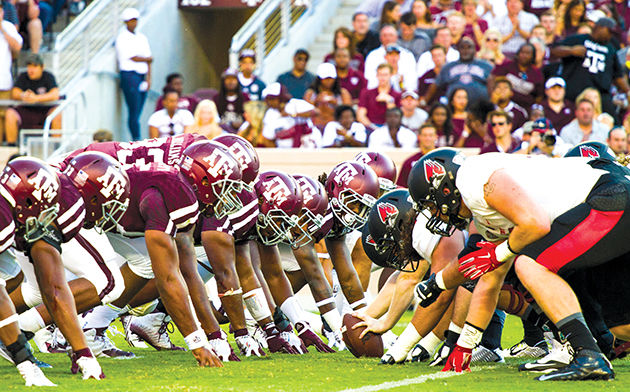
(470, 336)
(503, 252)
(196, 339)
(465, 133)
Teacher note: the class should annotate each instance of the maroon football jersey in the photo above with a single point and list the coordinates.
(161, 199)
(237, 224)
(7, 225)
(71, 214)
(326, 226)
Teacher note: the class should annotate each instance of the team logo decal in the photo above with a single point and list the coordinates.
(387, 212)
(589, 152)
(370, 240)
(434, 173)
(363, 158)
(276, 190)
(345, 173)
(308, 191)
(219, 164)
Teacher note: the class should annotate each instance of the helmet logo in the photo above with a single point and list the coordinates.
(345, 173)
(113, 183)
(43, 186)
(370, 240)
(219, 164)
(241, 155)
(307, 190)
(434, 173)
(589, 152)
(363, 158)
(387, 212)
(276, 190)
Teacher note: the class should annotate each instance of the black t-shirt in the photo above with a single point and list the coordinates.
(597, 69)
(368, 44)
(40, 86)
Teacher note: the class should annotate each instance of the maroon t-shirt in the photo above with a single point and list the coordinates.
(526, 85)
(469, 32)
(494, 148)
(537, 7)
(518, 113)
(187, 102)
(356, 62)
(425, 81)
(354, 82)
(403, 175)
(376, 110)
(562, 118)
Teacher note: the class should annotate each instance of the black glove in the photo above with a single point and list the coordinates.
(427, 291)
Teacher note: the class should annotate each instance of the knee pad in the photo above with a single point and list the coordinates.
(31, 294)
(517, 299)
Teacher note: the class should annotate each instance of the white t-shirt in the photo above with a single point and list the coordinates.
(406, 68)
(129, 45)
(414, 122)
(168, 126)
(357, 131)
(381, 138)
(556, 185)
(6, 80)
(422, 240)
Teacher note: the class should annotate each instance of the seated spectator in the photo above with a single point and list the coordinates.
(345, 40)
(374, 8)
(34, 88)
(549, 22)
(390, 15)
(392, 134)
(103, 135)
(417, 42)
(501, 97)
(253, 125)
(406, 62)
(491, 47)
(400, 81)
(474, 27)
(230, 101)
(366, 40)
(413, 116)
(569, 21)
(457, 104)
(542, 139)
(476, 133)
(276, 96)
(10, 45)
(542, 52)
(538, 7)
(250, 84)
(206, 120)
(29, 23)
(456, 23)
(501, 123)
(515, 26)
(618, 141)
(438, 55)
(170, 120)
(444, 38)
(427, 141)
(373, 103)
(349, 78)
(468, 73)
(527, 80)
(297, 80)
(345, 131)
(176, 81)
(594, 96)
(440, 118)
(326, 94)
(584, 128)
(557, 109)
(424, 20)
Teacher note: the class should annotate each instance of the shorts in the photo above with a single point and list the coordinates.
(135, 253)
(9, 268)
(609, 286)
(32, 117)
(203, 265)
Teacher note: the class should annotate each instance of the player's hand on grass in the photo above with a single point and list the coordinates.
(459, 360)
(310, 338)
(223, 349)
(276, 342)
(84, 361)
(249, 346)
(442, 355)
(371, 324)
(205, 356)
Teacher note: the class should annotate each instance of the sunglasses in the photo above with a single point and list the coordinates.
(498, 123)
(492, 40)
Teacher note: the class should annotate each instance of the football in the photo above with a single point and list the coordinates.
(370, 346)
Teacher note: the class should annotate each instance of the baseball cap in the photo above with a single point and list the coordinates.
(595, 15)
(326, 70)
(276, 90)
(229, 72)
(129, 14)
(555, 81)
(34, 59)
(247, 53)
(392, 48)
(409, 93)
(542, 124)
(606, 22)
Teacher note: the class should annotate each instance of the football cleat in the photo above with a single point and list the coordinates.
(418, 354)
(102, 346)
(559, 357)
(482, 354)
(524, 350)
(33, 375)
(153, 329)
(587, 365)
(131, 338)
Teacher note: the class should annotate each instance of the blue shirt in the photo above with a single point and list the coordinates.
(296, 86)
(470, 76)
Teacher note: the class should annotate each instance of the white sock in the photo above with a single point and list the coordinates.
(292, 309)
(407, 339)
(455, 328)
(256, 303)
(101, 316)
(333, 319)
(31, 321)
(430, 343)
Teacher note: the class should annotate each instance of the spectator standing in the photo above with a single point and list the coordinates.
(475, 27)
(456, 23)
(206, 120)
(349, 78)
(412, 116)
(250, 84)
(170, 120)
(617, 141)
(373, 103)
(406, 61)
(443, 37)
(134, 62)
(417, 42)
(366, 40)
(392, 134)
(501, 124)
(574, 15)
(29, 23)
(298, 80)
(438, 55)
(10, 45)
(557, 109)
(501, 97)
(326, 94)
(427, 141)
(230, 101)
(345, 131)
(345, 40)
(10, 13)
(591, 61)
(491, 47)
(38, 86)
(515, 26)
(584, 128)
(176, 81)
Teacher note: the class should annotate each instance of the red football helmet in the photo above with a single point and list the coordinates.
(215, 177)
(32, 188)
(244, 153)
(383, 166)
(352, 188)
(314, 210)
(280, 202)
(104, 186)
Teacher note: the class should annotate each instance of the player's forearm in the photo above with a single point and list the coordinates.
(271, 268)
(348, 278)
(174, 295)
(313, 272)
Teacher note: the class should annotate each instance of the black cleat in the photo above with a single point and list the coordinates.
(587, 365)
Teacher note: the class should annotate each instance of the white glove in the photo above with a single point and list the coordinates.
(335, 340)
(294, 341)
(249, 346)
(33, 376)
(221, 347)
(90, 368)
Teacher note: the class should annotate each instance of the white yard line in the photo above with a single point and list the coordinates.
(405, 382)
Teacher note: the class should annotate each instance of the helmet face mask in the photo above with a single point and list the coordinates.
(36, 228)
(227, 202)
(351, 208)
(113, 212)
(306, 226)
(275, 227)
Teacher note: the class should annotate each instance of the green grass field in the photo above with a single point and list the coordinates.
(177, 371)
